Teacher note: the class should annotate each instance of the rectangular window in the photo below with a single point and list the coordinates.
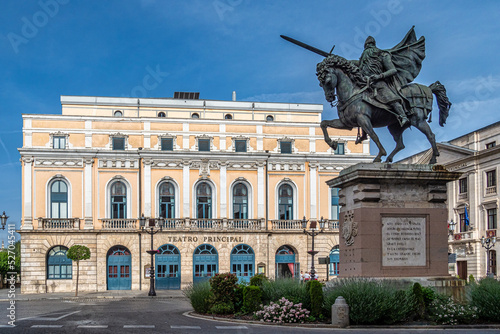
(118, 144)
(286, 147)
(340, 149)
(335, 204)
(462, 186)
(240, 145)
(492, 219)
(167, 144)
(59, 142)
(491, 178)
(204, 145)
(490, 145)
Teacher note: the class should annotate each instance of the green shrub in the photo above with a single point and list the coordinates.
(200, 296)
(252, 298)
(316, 292)
(222, 308)
(238, 298)
(289, 288)
(471, 279)
(371, 302)
(223, 287)
(418, 294)
(258, 280)
(485, 295)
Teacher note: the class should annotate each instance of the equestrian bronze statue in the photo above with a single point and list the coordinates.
(378, 91)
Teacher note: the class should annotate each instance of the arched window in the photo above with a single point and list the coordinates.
(285, 202)
(195, 115)
(269, 118)
(167, 200)
(161, 114)
(334, 261)
(118, 113)
(240, 201)
(203, 200)
(285, 263)
(58, 265)
(59, 199)
(118, 200)
(228, 116)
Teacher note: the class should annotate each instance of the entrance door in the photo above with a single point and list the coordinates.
(462, 269)
(168, 264)
(205, 263)
(285, 263)
(118, 268)
(242, 262)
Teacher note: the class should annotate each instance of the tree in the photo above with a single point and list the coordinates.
(10, 260)
(78, 253)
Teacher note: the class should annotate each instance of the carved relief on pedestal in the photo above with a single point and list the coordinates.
(349, 228)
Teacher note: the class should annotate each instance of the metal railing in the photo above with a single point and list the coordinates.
(119, 224)
(59, 223)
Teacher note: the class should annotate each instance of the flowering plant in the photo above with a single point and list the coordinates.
(444, 310)
(283, 311)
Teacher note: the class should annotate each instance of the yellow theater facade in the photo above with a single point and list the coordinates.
(228, 181)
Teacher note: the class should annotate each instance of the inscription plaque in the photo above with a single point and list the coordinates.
(403, 241)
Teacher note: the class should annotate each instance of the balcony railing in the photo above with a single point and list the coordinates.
(119, 224)
(290, 225)
(333, 225)
(206, 224)
(245, 224)
(172, 224)
(491, 190)
(463, 196)
(463, 236)
(59, 223)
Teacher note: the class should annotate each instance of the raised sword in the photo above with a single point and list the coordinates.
(308, 47)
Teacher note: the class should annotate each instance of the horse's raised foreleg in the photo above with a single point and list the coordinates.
(334, 123)
(397, 133)
(422, 125)
(366, 124)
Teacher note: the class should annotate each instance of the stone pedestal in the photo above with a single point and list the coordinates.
(393, 220)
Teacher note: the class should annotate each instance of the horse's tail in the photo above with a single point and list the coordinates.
(443, 102)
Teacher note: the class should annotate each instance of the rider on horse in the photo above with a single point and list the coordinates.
(377, 66)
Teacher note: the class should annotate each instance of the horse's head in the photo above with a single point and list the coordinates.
(328, 81)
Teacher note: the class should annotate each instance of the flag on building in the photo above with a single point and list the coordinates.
(466, 217)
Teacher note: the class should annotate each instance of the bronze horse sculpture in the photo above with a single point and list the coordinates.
(377, 91)
(340, 78)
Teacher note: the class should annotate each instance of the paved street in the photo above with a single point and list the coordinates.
(166, 315)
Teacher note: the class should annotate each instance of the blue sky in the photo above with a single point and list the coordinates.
(107, 48)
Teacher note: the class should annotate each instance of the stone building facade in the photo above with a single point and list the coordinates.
(228, 182)
(477, 156)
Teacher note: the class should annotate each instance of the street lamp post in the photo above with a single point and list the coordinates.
(152, 231)
(4, 218)
(451, 227)
(313, 232)
(488, 243)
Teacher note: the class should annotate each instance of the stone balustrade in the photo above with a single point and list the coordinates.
(119, 224)
(59, 223)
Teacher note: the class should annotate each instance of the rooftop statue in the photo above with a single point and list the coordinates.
(378, 91)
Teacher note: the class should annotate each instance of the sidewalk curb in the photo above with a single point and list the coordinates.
(308, 325)
(84, 298)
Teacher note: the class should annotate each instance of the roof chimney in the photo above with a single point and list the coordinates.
(234, 95)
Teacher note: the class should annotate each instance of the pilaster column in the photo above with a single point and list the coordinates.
(28, 186)
(185, 190)
(261, 190)
(87, 189)
(223, 190)
(147, 188)
(313, 181)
